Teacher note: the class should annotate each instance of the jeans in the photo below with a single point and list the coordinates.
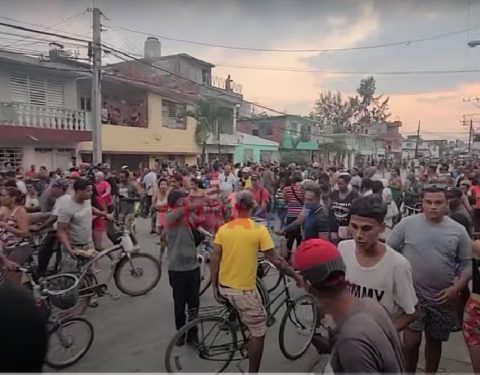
(186, 289)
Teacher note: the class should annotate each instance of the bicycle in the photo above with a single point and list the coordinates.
(216, 328)
(131, 262)
(203, 257)
(60, 300)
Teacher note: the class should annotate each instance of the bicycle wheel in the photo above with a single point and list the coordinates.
(262, 290)
(217, 343)
(137, 275)
(271, 277)
(205, 276)
(68, 342)
(298, 327)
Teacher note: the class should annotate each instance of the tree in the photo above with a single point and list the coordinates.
(371, 108)
(208, 114)
(332, 110)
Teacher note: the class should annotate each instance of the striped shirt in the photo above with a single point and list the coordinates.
(294, 199)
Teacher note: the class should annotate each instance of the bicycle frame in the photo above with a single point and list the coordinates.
(120, 246)
(285, 291)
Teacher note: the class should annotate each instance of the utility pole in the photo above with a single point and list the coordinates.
(97, 87)
(218, 138)
(470, 132)
(418, 140)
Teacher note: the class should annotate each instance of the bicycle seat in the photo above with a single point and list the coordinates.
(85, 254)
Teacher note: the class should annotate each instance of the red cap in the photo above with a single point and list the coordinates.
(318, 260)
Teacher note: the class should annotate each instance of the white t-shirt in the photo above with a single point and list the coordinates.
(227, 183)
(389, 282)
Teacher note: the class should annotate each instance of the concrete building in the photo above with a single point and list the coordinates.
(191, 79)
(42, 119)
(298, 138)
(425, 148)
(255, 149)
(162, 132)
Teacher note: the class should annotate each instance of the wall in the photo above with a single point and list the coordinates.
(5, 85)
(69, 89)
(242, 149)
(152, 140)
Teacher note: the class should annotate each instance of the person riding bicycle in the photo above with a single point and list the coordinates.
(234, 269)
(74, 226)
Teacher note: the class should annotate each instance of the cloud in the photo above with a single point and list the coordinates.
(439, 112)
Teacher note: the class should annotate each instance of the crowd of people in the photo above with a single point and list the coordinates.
(388, 257)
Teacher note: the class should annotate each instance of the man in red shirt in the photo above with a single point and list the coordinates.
(31, 174)
(262, 197)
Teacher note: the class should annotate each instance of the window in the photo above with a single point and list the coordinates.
(13, 156)
(266, 129)
(36, 90)
(85, 104)
(173, 115)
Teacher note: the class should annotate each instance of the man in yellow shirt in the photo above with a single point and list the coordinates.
(234, 271)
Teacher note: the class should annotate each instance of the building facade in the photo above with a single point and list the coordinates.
(41, 121)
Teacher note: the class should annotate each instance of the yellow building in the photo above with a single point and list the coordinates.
(141, 124)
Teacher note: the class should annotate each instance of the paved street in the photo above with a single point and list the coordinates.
(131, 334)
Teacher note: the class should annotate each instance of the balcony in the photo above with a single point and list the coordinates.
(34, 116)
(33, 124)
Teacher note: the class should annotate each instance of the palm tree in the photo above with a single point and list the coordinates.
(208, 113)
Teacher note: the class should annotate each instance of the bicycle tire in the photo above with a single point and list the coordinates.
(182, 332)
(286, 316)
(262, 291)
(267, 270)
(76, 358)
(204, 285)
(124, 262)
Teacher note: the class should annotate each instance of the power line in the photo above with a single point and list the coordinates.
(122, 53)
(65, 20)
(303, 70)
(41, 26)
(17, 27)
(407, 42)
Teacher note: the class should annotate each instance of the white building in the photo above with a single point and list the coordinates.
(42, 119)
(424, 149)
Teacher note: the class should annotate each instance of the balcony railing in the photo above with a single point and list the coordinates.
(229, 86)
(35, 116)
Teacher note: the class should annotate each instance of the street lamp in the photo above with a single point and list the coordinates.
(473, 43)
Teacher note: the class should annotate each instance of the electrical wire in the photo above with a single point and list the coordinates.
(79, 14)
(127, 55)
(341, 72)
(407, 42)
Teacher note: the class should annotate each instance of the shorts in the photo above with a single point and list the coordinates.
(20, 254)
(436, 321)
(249, 308)
(471, 323)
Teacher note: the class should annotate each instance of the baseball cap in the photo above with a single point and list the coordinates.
(320, 262)
(316, 164)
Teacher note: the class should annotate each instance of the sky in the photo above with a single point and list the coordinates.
(438, 101)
